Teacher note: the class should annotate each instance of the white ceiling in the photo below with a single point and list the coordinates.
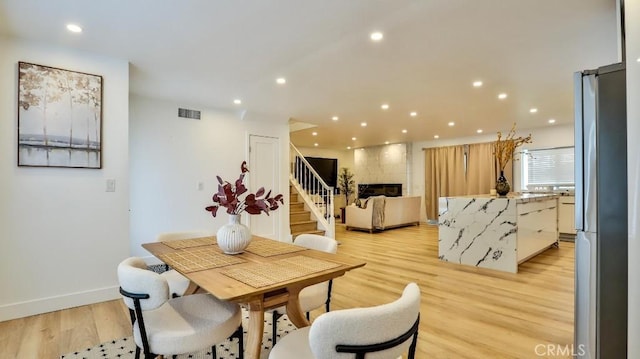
(206, 53)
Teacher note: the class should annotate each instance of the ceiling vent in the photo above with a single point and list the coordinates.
(186, 113)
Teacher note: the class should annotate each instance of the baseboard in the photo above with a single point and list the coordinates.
(65, 301)
(567, 237)
(51, 304)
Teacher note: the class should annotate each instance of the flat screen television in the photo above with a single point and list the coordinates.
(327, 168)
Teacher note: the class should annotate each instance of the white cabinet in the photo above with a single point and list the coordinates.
(537, 227)
(566, 215)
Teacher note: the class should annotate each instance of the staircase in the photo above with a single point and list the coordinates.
(309, 193)
(299, 218)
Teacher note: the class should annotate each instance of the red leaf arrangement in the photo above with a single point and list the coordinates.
(228, 196)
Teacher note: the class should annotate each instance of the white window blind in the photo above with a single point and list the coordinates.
(551, 167)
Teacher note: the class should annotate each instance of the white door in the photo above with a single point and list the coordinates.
(264, 168)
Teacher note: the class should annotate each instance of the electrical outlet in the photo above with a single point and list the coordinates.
(111, 185)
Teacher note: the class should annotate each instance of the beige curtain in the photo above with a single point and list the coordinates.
(482, 168)
(444, 176)
(445, 173)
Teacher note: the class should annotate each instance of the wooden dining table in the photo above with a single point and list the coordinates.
(268, 274)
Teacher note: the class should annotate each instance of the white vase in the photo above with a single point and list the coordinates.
(234, 236)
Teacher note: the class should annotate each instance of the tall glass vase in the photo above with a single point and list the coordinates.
(234, 236)
(502, 185)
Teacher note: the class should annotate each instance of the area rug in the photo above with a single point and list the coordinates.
(125, 348)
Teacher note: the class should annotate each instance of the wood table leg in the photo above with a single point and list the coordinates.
(294, 312)
(191, 289)
(255, 329)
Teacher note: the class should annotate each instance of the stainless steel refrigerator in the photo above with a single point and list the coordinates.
(601, 213)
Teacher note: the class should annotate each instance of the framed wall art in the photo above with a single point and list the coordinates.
(59, 117)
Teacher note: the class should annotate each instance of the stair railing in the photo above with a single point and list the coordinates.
(316, 194)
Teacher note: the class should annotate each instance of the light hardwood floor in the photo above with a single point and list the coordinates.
(466, 312)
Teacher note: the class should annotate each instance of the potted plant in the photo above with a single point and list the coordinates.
(346, 184)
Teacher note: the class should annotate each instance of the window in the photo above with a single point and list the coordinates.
(548, 169)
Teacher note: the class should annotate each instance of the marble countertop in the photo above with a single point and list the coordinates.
(519, 197)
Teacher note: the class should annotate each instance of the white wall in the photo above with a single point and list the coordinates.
(61, 234)
(546, 137)
(632, 8)
(170, 155)
(382, 164)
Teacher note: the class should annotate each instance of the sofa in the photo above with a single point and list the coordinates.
(381, 213)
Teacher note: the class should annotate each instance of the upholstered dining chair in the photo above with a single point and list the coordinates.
(171, 326)
(179, 285)
(385, 331)
(314, 296)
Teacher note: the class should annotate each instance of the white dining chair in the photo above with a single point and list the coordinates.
(172, 326)
(179, 285)
(311, 297)
(380, 332)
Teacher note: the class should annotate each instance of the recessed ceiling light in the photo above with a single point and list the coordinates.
(335, 118)
(638, 59)
(477, 83)
(533, 110)
(376, 36)
(413, 114)
(404, 131)
(502, 96)
(436, 136)
(363, 124)
(353, 138)
(281, 80)
(451, 124)
(384, 106)
(315, 144)
(386, 142)
(552, 120)
(479, 130)
(74, 28)
(237, 101)
(314, 133)
(348, 147)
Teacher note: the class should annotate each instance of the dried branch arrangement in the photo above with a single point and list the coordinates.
(506, 147)
(228, 196)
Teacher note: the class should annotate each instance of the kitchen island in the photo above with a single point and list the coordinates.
(497, 232)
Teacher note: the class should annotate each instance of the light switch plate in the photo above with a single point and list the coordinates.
(111, 185)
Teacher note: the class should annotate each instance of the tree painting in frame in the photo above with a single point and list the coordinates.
(59, 117)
